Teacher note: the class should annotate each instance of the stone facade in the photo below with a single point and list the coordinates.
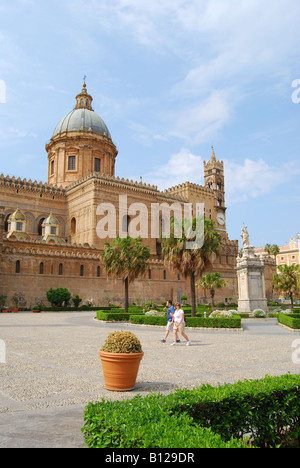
(62, 247)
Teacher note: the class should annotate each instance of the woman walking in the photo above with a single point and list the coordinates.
(179, 324)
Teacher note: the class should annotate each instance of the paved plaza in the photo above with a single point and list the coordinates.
(53, 369)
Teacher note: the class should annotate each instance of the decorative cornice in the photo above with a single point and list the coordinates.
(38, 247)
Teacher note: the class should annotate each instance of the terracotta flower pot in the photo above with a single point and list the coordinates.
(120, 370)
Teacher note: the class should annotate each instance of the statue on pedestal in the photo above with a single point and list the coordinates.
(251, 279)
(245, 237)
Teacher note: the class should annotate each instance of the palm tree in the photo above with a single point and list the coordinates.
(210, 282)
(191, 262)
(125, 258)
(287, 281)
(272, 249)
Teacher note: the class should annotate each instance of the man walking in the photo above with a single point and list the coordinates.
(170, 313)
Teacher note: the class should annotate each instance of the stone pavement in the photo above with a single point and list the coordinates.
(53, 369)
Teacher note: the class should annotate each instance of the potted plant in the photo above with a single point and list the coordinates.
(121, 355)
(4, 309)
(15, 300)
(36, 309)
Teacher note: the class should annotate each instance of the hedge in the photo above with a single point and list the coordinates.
(214, 417)
(232, 322)
(145, 423)
(148, 320)
(112, 316)
(197, 322)
(290, 320)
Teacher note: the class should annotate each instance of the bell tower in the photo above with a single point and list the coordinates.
(214, 179)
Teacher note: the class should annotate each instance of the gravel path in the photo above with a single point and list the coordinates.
(53, 369)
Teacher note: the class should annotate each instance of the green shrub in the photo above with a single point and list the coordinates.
(264, 408)
(145, 423)
(112, 316)
(76, 301)
(148, 320)
(259, 313)
(290, 320)
(58, 296)
(203, 417)
(233, 322)
(122, 342)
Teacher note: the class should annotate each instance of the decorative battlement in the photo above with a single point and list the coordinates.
(24, 184)
(134, 185)
(187, 186)
(107, 178)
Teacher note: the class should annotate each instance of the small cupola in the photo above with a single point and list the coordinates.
(50, 231)
(84, 100)
(17, 226)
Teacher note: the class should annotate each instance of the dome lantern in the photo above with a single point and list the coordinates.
(84, 100)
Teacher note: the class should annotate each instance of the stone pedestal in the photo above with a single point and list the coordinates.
(251, 282)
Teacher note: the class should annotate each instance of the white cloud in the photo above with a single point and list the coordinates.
(247, 180)
(10, 133)
(199, 122)
(253, 179)
(226, 47)
(181, 167)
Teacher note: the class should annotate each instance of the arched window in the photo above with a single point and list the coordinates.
(60, 269)
(149, 274)
(40, 228)
(41, 268)
(73, 226)
(18, 266)
(98, 272)
(6, 226)
(81, 270)
(165, 275)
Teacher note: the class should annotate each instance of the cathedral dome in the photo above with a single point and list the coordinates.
(82, 118)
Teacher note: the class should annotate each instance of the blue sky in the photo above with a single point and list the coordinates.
(170, 78)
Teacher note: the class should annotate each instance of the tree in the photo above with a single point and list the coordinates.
(58, 296)
(287, 281)
(211, 282)
(125, 258)
(191, 262)
(272, 249)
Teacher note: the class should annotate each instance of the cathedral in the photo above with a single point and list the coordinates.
(48, 231)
